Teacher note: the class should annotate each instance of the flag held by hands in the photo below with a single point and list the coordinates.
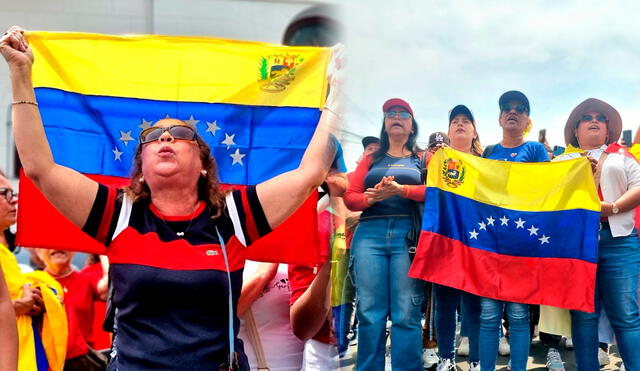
(518, 232)
(255, 104)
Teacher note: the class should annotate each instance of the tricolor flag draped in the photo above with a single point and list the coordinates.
(519, 232)
(255, 104)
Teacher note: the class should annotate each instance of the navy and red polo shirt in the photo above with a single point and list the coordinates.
(171, 290)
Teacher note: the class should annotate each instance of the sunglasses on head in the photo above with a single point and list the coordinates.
(177, 132)
(8, 194)
(589, 118)
(507, 108)
(400, 114)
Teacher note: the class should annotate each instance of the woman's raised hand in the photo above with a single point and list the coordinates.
(335, 70)
(14, 48)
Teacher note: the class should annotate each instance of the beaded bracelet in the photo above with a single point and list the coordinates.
(25, 102)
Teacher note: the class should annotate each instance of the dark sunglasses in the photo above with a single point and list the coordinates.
(400, 114)
(589, 118)
(8, 193)
(507, 108)
(177, 132)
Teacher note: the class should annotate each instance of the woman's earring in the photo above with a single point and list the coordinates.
(204, 173)
(141, 179)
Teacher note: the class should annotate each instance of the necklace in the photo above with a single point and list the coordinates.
(180, 233)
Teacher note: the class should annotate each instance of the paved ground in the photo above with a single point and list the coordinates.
(537, 359)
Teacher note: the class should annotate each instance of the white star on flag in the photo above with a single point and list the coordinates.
(117, 154)
(544, 239)
(482, 226)
(191, 121)
(504, 220)
(145, 124)
(520, 223)
(533, 230)
(212, 127)
(237, 157)
(125, 137)
(228, 140)
(490, 220)
(473, 234)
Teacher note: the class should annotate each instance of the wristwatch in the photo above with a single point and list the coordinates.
(614, 208)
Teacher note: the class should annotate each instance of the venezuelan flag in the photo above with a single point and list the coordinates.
(519, 232)
(255, 104)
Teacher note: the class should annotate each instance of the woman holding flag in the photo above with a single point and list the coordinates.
(175, 239)
(515, 122)
(594, 127)
(464, 138)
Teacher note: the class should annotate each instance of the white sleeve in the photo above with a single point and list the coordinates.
(632, 170)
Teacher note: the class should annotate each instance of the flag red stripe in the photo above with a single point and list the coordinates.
(40, 224)
(559, 282)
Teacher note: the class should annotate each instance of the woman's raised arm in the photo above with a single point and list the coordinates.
(282, 195)
(70, 192)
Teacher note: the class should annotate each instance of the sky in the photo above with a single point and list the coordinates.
(437, 54)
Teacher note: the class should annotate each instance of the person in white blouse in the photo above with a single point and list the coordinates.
(265, 293)
(594, 127)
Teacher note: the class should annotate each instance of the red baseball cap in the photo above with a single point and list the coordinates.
(396, 102)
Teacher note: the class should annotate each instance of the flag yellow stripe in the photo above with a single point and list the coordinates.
(182, 69)
(547, 186)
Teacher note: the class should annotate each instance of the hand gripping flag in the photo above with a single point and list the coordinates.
(255, 104)
(518, 232)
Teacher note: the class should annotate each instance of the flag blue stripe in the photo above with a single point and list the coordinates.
(572, 234)
(85, 133)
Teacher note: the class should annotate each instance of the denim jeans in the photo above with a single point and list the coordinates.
(617, 291)
(342, 314)
(490, 318)
(383, 289)
(446, 305)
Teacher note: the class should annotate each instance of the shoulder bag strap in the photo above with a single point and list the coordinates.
(254, 339)
(596, 175)
(233, 360)
(423, 167)
(488, 150)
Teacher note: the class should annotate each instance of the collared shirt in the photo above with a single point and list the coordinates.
(619, 174)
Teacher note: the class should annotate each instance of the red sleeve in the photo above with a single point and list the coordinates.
(300, 278)
(414, 192)
(354, 197)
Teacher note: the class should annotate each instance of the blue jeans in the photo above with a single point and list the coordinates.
(617, 291)
(383, 289)
(446, 305)
(490, 323)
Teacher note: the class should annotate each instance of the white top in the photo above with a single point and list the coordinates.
(619, 174)
(282, 349)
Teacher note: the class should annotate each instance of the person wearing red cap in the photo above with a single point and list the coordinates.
(384, 186)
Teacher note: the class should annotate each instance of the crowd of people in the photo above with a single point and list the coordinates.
(212, 310)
